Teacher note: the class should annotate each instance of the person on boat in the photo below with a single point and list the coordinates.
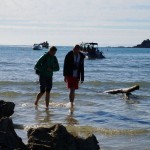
(46, 65)
(73, 71)
(88, 49)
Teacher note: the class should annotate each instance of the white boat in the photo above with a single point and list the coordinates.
(37, 47)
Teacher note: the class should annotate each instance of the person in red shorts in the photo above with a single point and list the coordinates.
(73, 71)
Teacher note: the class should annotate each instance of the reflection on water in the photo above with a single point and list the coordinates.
(70, 119)
(43, 116)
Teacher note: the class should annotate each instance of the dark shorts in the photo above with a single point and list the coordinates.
(45, 84)
(72, 82)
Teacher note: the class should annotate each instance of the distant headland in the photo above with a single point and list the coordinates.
(144, 44)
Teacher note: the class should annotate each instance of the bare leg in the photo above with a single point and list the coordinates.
(47, 97)
(72, 96)
(38, 98)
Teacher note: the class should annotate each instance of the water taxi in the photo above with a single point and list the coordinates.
(91, 50)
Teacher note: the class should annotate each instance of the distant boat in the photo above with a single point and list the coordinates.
(40, 46)
(91, 50)
(37, 47)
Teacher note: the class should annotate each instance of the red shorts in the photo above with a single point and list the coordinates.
(72, 82)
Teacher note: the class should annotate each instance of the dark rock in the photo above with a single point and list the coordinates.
(6, 108)
(89, 143)
(144, 44)
(9, 140)
(58, 138)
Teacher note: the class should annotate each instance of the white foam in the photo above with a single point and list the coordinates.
(68, 105)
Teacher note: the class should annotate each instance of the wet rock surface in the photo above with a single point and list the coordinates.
(58, 138)
(9, 140)
(6, 108)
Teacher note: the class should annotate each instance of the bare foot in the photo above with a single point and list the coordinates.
(36, 103)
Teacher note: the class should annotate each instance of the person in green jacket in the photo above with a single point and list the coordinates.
(46, 65)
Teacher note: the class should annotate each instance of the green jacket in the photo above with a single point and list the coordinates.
(45, 62)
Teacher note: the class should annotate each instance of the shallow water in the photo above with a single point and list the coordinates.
(117, 123)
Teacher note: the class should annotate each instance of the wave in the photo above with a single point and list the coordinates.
(9, 94)
(90, 130)
(89, 82)
(17, 83)
(89, 88)
(107, 131)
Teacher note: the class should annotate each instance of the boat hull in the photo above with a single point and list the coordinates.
(37, 47)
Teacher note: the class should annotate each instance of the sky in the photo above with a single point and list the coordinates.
(70, 22)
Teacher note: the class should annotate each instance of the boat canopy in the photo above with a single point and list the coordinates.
(90, 43)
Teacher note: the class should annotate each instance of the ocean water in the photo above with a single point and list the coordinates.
(118, 124)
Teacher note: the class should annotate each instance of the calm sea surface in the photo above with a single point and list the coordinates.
(118, 124)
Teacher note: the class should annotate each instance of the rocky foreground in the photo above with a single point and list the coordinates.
(53, 138)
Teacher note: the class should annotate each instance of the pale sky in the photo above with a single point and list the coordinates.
(69, 22)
